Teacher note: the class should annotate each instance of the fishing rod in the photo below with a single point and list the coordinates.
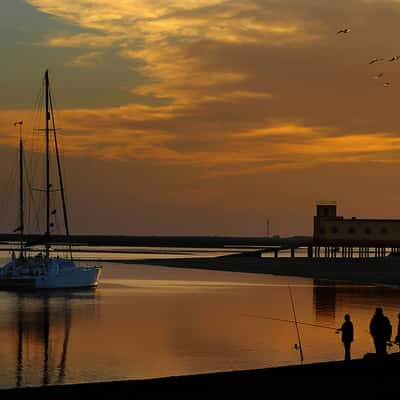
(290, 320)
(297, 328)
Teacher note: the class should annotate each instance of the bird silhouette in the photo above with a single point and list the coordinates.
(374, 60)
(345, 30)
(386, 84)
(394, 58)
(377, 76)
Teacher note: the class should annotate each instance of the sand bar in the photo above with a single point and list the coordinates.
(381, 271)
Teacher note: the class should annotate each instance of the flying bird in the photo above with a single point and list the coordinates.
(394, 58)
(345, 30)
(386, 84)
(374, 60)
(378, 76)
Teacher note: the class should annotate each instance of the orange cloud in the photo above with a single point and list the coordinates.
(89, 60)
(233, 76)
(166, 30)
(96, 133)
(83, 40)
(287, 129)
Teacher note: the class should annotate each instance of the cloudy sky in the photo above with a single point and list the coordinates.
(208, 117)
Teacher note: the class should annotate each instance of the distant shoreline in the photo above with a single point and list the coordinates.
(167, 241)
(376, 271)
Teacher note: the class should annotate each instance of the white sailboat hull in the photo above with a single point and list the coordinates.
(75, 278)
(38, 273)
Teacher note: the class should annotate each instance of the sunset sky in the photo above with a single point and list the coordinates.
(206, 117)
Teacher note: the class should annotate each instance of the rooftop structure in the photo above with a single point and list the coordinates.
(331, 229)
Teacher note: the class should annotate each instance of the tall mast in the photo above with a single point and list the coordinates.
(48, 185)
(21, 189)
(60, 178)
(21, 197)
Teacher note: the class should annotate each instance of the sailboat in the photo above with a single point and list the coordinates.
(41, 269)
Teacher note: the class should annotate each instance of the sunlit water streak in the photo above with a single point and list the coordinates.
(147, 321)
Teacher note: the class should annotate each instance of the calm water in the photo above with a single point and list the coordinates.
(145, 321)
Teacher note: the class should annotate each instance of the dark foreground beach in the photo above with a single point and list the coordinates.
(366, 378)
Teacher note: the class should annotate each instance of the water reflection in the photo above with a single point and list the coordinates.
(327, 296)
(41, 319)
(324, 296)
(156, 321)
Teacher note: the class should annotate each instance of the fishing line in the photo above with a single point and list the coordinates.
(291, 321)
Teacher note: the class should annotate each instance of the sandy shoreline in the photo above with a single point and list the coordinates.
(381, 271)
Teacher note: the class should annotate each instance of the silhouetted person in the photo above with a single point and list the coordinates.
(347, 336)
(381, 331)
(397, 338)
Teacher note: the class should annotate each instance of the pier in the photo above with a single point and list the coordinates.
(337, 237)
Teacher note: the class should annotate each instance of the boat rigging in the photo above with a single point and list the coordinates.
(38, 271)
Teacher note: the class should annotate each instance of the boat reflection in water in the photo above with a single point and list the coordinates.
(43, 324)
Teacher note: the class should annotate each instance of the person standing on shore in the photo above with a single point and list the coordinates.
(347, 330)
(397, 338)
(380, 329)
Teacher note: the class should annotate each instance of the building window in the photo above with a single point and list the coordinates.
(351, 229)
(335, 229)
(384, 230)
(368, 230)
(322, 230)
